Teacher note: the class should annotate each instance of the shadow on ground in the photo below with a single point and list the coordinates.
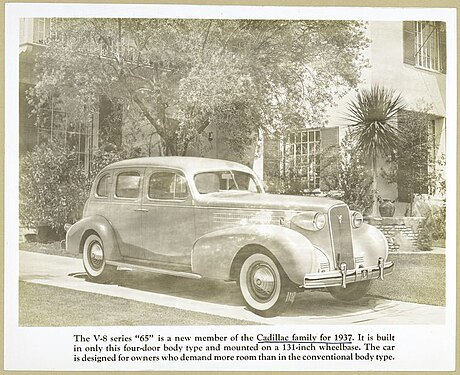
(311, 303)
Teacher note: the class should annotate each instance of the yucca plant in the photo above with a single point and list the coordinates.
(373, 116)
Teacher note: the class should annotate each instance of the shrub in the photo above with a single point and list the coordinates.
(52, 187)
(433, 227)
(349, 175)
(436, 221)
(425, 238)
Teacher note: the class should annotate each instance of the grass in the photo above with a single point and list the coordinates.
(49, 306)
(51, 248)
(419, 278)
(441, 242)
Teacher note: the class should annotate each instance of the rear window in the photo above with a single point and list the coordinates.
(102, 189)
(128, 185)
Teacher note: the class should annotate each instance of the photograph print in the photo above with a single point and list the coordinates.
(206, 171)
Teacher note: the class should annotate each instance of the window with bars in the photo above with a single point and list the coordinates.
(55, 125)
(425, 44)
(303, 157)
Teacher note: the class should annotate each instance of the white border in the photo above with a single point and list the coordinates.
(426, 347)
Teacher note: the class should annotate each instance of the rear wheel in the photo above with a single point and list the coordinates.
(94, 260)
(264, 286)
(352, 292)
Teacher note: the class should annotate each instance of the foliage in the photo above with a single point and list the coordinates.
(108, 155)
(53, 186)
(411, 163)
(290, 182)
(425, 237)
(373, 115)
(435, 221)
(433, 227)
(182, 75)
(349, 175)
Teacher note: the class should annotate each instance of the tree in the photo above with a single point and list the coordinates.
(179, 76)
(348, 175)
(373, 115)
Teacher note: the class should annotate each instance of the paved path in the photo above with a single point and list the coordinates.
(220, 298)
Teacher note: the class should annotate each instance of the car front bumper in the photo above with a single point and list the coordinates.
(343, 276)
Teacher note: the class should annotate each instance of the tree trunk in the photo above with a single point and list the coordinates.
(375, 203)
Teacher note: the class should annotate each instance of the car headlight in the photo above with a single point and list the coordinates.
(356, 219)
(319, 221)
(310, 220)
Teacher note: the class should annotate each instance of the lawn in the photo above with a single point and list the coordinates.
(49, 306)
(417, 277)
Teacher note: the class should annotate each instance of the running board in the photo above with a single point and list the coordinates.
(154, 270)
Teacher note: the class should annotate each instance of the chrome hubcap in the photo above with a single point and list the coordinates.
(96, 255)
(262, 281)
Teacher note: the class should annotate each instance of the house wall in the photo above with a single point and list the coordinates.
(418, 87)
(386, 67)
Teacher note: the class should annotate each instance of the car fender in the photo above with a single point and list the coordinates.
(213, 254)
(370, 243)
(81, 229)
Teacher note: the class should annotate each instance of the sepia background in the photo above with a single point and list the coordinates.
(421, 101)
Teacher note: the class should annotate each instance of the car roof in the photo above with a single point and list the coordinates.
(188, 164)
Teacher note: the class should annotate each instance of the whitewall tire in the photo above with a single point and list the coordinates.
(94, 260)
(264, 285)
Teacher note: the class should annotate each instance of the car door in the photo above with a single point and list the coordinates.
(168, 228)
(126, 211)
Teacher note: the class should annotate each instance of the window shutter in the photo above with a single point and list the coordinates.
(329, 155)
(409, 42)
(442, 46)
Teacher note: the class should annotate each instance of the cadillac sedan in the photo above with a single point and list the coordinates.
(208, 218)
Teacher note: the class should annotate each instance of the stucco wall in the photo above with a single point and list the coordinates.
(418, 87)
(385, 55)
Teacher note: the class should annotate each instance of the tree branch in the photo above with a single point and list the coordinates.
(145, 111)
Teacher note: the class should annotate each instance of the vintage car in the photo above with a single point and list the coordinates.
(208, 218)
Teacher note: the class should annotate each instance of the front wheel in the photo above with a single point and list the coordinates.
(94, 260)
(264, 286)
(352, 292)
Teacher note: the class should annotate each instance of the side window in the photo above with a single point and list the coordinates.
(102, 189)
(167, 185)
(128, 185)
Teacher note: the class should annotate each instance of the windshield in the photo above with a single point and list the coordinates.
(213, 182)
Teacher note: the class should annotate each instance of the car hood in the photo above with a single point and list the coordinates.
(238, 199)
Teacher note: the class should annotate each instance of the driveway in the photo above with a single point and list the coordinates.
(221, 298)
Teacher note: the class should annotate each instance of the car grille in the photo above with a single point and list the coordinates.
(341, 236)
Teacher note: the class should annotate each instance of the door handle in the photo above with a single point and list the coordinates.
(141, 209)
